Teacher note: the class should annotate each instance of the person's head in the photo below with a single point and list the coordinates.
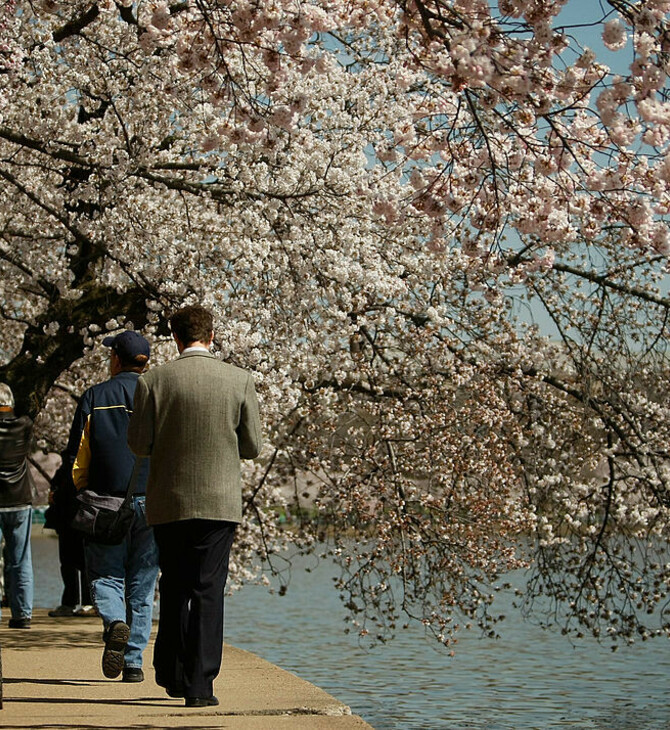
(6, 398)
(192, 324)
(130, 351)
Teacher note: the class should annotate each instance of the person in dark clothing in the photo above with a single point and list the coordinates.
(122, 577)
(16, 498)
(76, 598)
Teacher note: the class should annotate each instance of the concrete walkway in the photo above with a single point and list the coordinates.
(53, 680)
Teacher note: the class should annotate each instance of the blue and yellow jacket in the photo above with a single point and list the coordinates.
(98, 437)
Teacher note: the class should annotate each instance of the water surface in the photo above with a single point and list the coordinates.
(527, 680)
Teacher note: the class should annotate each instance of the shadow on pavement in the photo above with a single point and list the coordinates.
(62, 726)
(62, 682)
(57, 634)
(135, 702)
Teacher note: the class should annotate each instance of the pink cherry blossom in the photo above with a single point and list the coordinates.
(615, 36)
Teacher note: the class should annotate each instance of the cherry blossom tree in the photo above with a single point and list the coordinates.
(436, 231)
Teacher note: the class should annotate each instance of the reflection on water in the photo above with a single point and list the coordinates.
(527, 680)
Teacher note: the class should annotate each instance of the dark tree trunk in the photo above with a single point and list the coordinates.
(30, 378)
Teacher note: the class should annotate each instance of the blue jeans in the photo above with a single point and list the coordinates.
(15, 528)
(123, 578)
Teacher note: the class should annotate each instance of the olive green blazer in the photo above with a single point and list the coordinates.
(196, 417)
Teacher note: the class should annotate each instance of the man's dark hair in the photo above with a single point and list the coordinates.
(192, 324)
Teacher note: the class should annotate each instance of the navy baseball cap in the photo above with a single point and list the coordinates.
(128, 345)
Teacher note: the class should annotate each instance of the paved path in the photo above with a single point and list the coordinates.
(53, 680)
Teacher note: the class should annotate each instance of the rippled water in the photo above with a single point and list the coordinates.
(527, 680)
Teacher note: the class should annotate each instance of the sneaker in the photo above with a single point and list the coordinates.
(62, 611)
(116, 637)
(85, 611)
(132, 674)
(19, 623)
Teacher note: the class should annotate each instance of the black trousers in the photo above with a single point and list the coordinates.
(73, 568)
(193, 557)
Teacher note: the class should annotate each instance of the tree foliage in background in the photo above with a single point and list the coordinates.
(437, 232)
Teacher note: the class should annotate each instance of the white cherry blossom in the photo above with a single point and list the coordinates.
(436, 231)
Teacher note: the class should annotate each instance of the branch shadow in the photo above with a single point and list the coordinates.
(60, 726)
(135, 702)
(55, 637)
(61, 682)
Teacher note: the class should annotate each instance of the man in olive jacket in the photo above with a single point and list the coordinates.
(196, 417)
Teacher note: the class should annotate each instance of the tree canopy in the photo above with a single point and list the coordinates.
(436, 231)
